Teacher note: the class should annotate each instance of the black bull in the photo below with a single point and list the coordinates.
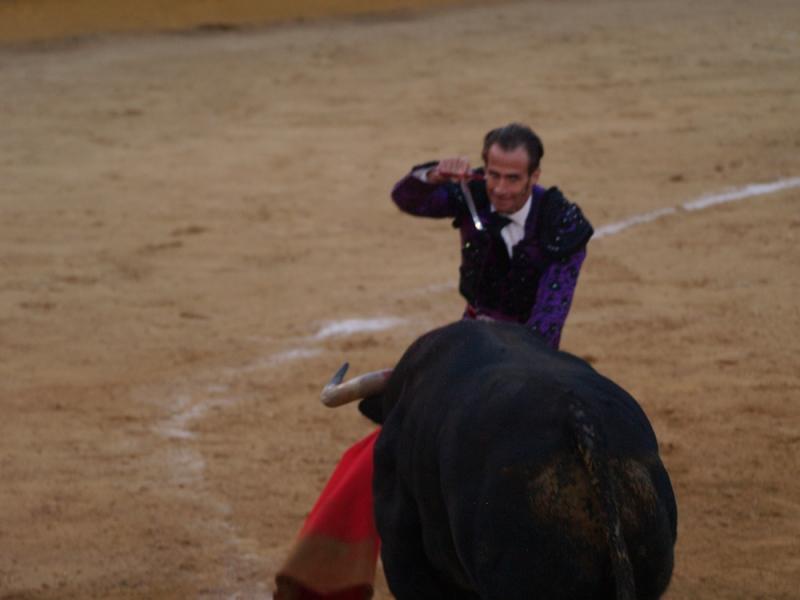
(506, 470)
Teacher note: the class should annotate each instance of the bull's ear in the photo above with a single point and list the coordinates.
(372, 408)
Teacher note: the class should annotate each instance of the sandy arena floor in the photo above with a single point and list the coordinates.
(185, 217)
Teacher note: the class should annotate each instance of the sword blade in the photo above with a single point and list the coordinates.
(471, 205)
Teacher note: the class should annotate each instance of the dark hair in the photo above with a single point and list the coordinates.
(513, 136)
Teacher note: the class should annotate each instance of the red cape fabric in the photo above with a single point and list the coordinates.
(335, 555)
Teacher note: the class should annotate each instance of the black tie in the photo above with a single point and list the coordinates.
(496, 223)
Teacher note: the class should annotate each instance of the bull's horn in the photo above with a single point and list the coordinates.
(337, 393)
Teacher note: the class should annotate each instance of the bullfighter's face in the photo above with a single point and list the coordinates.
(508, 182)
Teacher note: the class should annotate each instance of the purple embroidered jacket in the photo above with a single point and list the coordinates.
(536, 284)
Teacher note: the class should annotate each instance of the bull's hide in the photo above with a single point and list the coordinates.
(508, 470)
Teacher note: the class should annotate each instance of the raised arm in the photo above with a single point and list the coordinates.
(424, 192)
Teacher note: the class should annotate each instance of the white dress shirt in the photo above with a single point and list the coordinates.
(514, 231)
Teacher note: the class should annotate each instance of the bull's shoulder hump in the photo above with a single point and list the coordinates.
(490, 343)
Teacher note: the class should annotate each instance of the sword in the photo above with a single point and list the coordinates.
(471, 205)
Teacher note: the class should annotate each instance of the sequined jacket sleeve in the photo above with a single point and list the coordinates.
(563, 238)
(554, 297)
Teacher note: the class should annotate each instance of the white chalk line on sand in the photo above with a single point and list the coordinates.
(351, 326)
(748, 191)
(187, 470)
(178, 424)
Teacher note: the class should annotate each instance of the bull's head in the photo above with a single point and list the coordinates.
(337, 393)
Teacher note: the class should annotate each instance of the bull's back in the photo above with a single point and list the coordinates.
(476, 384)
